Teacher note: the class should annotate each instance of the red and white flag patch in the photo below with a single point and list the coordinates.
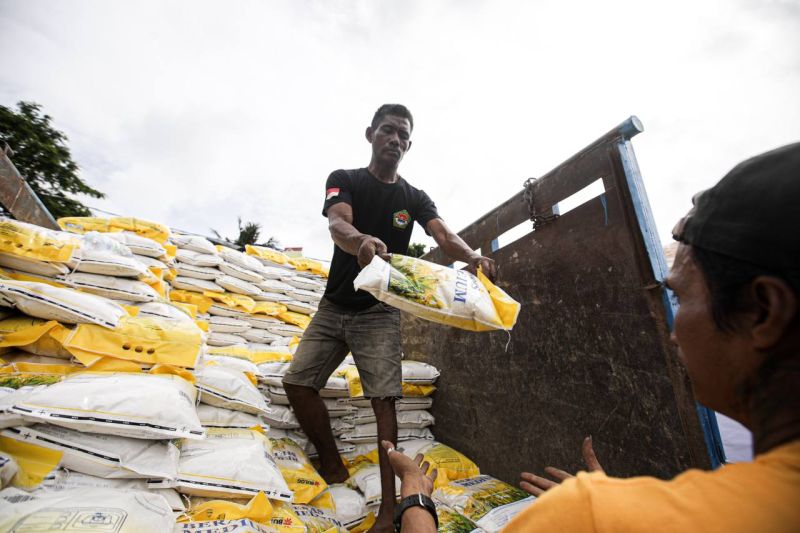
(331, 193)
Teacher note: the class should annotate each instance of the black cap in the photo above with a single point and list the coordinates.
(752, 214)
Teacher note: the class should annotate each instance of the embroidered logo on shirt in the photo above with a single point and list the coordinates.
(331, 193)
(401, 219)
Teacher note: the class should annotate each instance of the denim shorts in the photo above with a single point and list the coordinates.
(372, 335)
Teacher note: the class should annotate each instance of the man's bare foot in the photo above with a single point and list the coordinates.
(337, 474)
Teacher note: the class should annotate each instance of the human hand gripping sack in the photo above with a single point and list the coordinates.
(370, 247)
(537, 485)
(486, 265)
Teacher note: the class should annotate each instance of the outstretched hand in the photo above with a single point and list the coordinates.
(536, 485)
(412, 473)
(369, 248)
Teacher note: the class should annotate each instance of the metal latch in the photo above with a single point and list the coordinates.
(527, 195)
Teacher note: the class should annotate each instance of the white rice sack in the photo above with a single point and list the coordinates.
(261, 321)
(99, 254)
(276, 394)
(272, 372)
(194, 243)
(195, 285)
(260, 336)
(340, 426)
(438, 293)
(129, 290)
(230, 463)
(419, 373)
(337, 408)
(197, 272)
(367, 479)
(142, 406)
(64, 305)
(238, 272)
(217, 417)
(487, 501)
(223, 310)
(270, 272)
(402, 404)
(273, 285)
(301, 307)
(216, 338)
(351, 507)
(416, 419)
(285, 330)
(32, 266)
(197, 258)
(281, 417)
(361, 416)
(105, 456)
(99, 510)
(239, 259)
(138, 245)
(305, 296)
(365, 448)
(60, 479)
(165, 311)
(273, 297)
(8, 469)
(230, 389)
(341, 446)
(335, 387)
(235, 363)
(300, 282)
(238, 286)
(296, 435)
(225, 324)
(8, 397)
(369, 433)
(283, 342)
(151, 262)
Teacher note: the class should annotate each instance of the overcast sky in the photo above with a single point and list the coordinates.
(193, 113)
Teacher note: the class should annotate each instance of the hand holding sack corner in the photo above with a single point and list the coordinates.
(439, 293)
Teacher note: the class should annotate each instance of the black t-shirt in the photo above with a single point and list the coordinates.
(384, 210)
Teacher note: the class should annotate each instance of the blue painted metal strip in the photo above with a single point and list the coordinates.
(647, 225)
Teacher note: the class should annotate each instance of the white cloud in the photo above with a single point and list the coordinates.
(196, 112)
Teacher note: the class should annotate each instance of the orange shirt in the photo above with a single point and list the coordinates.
(762, 496)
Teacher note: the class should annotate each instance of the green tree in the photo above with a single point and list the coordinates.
(41, 155)
(249, 233)
(416, 249)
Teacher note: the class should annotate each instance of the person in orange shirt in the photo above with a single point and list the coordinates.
(737, 277)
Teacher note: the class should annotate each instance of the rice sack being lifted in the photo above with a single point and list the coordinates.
(439, 293)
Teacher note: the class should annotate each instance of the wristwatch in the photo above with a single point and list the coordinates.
(415, 500)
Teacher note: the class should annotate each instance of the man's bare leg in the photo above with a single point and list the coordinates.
(313, 416)
(386, 419)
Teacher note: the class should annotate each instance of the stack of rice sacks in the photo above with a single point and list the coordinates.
(92, 358)
(142, 370)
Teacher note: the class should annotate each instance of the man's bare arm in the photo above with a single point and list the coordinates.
(454, 247)
(349, 239)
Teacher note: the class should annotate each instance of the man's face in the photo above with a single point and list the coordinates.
(390, 139)
(717, 362)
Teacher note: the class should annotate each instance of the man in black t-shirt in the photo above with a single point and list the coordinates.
(370, 212)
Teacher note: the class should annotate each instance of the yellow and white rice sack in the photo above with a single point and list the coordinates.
(104, 456)
(218, 417)
(487, 501)
(230, 463)
(129, 404)
(64, 305)
(117, 510)
(229, 388)
(439, 293)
